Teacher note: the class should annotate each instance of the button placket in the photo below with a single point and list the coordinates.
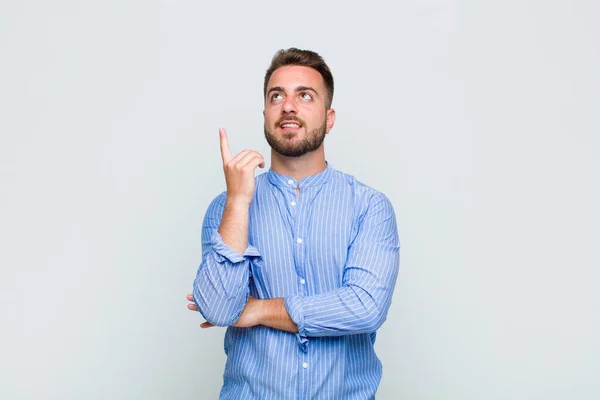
(300, 244)
(293, 205)
(303, 377)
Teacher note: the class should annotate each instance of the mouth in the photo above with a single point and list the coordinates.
(289, 126)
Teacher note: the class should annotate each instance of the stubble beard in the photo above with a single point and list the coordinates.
(288, 146)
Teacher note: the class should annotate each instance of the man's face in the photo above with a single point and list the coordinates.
(296, 119)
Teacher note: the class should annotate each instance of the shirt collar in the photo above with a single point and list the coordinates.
(313, 180)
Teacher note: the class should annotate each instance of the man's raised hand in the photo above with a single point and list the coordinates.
(239, 171)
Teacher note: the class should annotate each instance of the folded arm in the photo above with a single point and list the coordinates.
(221, 286)
(361, 304)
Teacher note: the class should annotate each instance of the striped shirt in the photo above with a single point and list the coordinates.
(333, 254)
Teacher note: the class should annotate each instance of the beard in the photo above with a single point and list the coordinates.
(288, 146)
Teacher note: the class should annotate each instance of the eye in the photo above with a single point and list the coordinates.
(276, 96)
(306, 96)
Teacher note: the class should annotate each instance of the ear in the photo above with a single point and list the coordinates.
(330, 119)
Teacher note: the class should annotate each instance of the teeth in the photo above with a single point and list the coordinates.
(290, 126)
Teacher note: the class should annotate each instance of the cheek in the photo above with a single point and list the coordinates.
(272, 112)
(317, 118)
(270, 116)
(312, 110)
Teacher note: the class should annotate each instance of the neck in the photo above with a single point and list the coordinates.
(299, 167)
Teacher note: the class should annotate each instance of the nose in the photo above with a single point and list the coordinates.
(289, 106)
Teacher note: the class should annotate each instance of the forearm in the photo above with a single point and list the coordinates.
(345, 311)
(273, 314)
(234, 225)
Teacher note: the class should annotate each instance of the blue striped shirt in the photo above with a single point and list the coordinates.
(333, 254)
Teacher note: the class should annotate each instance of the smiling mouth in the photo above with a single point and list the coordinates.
(289, 125)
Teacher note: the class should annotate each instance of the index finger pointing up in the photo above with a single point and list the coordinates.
(225, 150)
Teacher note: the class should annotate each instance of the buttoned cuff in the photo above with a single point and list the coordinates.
(223, 252)
(295, 308)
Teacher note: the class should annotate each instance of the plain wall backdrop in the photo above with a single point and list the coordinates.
(478, 119)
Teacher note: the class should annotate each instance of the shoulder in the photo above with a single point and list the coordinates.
(361, 192)
(262, 178)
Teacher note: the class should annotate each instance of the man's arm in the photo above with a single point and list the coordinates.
(220, 288)
(268, 312)
(221, 285)
(361, 304)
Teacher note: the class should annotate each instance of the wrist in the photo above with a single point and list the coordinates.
(266, 311)
(237, 203)
(261, 311)
(272, 313)
(257, 310)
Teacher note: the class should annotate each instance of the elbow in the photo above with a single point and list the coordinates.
(378, 320)
(219, 311)
(374, 311)
(373, 320)
(218, 319)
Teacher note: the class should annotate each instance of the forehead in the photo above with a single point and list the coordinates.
(292, 76)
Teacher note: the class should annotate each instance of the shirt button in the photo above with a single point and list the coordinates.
(291, 182)
(293, 203)
(299, 240)
(305, 365)
(302, 281)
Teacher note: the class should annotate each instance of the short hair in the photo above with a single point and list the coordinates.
(306, 58)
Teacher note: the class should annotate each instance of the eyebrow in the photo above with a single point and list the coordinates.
(297, 89)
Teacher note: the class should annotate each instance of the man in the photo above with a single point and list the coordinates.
(300, 262)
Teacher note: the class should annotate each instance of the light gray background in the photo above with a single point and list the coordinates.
(478, 119)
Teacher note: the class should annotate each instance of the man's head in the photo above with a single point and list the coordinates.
(298, 92)
(306, 58)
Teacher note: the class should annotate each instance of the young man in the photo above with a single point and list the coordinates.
(300, 262)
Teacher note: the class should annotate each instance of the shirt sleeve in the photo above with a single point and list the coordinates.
(361, 304)
(221, 286)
